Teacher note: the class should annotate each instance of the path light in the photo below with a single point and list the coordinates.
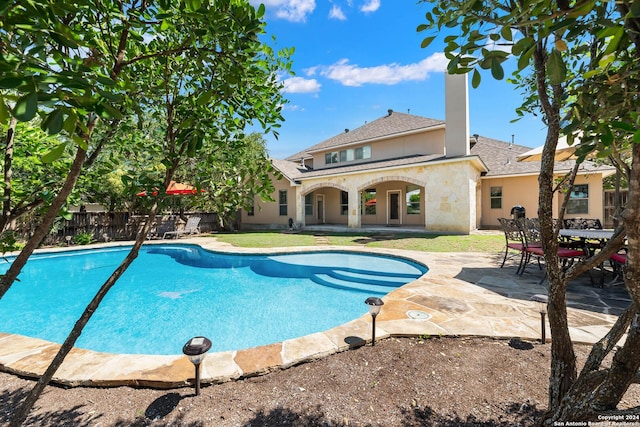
(374, 304)
(195, 349)
(68, 240)
(541, 302)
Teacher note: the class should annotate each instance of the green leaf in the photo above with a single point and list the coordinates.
(26, 107)
(193, 5)
(525, 57)
(506, 33)
(627, 127)
(475, 79)
(607, 136)
(614, 40)
(54, 154)
(5, 114)
(496, 69)
(427, 41)
(70, 123)
(556, 69)
(53, 123)
(636, 137)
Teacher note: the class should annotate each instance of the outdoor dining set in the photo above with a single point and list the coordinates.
(579, 238)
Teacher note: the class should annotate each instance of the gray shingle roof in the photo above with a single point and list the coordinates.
(391, 124)
(501, 159)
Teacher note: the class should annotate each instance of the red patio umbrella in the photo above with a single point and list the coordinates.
(174, 188)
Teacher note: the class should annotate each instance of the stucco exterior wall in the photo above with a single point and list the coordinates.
(524, 191)
(431, 142)
(267, 214)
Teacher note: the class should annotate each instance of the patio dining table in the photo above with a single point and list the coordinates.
(598, 234)
(602, 235)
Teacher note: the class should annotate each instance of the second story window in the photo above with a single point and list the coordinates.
(332, 157)
(363, 152)
(348, 155)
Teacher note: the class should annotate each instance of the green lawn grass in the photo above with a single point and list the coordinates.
(490, 243)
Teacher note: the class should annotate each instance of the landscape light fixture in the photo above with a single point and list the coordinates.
(541, 302)
(195, 349)
(375, 304)
(68, 240)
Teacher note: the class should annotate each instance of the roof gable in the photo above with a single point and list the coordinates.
(388, 126)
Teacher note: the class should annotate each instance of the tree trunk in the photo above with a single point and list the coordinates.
(563, 363)
(45, 226)
(21, 414)
(8, 160)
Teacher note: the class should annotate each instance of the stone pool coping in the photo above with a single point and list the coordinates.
(463, 294)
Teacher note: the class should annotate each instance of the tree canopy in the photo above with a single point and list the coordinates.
(577, 65)
(93, 72)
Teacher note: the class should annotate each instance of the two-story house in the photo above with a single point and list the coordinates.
(405, 170)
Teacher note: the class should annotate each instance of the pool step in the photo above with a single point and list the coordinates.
(327, 280)
(383, 279)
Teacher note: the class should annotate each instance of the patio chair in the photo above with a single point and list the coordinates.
(514, 240)
(619, 264)
(531, 231)
(191, 227)
(161, 229)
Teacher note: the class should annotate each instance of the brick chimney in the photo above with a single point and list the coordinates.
(456, 115)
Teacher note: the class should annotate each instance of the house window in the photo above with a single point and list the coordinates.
(348, 155)
(344, 203)
(333, 157)
(363, 152)
(308, 204)
(251, 210)
(282, 201)
(496, 197)
(413, 200)
(578, 199)
(369, 201)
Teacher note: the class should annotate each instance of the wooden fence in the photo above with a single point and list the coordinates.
(111, 226)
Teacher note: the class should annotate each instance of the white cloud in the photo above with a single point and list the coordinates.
(337, 13)
(291, 10)
(370, 6)
(389, 74)
(301, 85)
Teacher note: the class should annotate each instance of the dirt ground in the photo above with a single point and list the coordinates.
(397, 382)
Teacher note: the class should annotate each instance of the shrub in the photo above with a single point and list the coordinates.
(83, 238)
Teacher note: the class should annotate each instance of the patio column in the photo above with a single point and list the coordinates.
(299, 218)
(354, 208)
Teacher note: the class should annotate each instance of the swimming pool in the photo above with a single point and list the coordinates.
(173, 292)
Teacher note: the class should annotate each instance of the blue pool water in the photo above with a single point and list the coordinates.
(174, 292)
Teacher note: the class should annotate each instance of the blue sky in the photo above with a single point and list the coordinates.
(356, 59)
